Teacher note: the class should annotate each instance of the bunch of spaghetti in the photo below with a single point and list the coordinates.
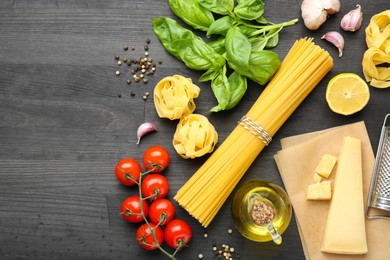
(206, 191)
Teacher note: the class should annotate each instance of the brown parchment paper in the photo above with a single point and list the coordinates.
(296, 163)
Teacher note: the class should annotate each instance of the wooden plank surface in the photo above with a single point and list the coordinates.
(66, 119)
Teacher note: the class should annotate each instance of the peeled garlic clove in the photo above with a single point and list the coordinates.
(144, 129)
(336, 39)
(352, 20)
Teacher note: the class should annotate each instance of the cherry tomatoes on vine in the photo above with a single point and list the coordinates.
(145, 238)
(156, 159)
(177, 233)
(128, 171)
(161, 211)
(131, 209)
(154, 186)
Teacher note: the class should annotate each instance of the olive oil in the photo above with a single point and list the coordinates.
(261, 211)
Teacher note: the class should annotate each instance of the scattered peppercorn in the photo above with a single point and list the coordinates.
(147, 41)
(132, 93)
(125, 47)
(128, 81)
(116, 57)
(119, 63)
(146, 47)
(144, 97)
(124, 59)
(145, 81)
(117, 72)
(132, 47)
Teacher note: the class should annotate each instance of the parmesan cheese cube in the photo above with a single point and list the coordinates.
(319, 191)
(345, 230)
(325, 166)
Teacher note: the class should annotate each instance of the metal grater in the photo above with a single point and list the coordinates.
(379, 195)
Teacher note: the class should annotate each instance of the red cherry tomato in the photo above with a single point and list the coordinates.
(131, 209)
(161, 211)
(128, 171)
(145, 238)
(154, 186)
(156, 159)
(177, 233)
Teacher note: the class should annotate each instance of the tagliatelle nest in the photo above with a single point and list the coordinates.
(376, 59)
(194, 137)
(174, 97)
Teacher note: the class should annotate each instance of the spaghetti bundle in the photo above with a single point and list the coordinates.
(206, 191)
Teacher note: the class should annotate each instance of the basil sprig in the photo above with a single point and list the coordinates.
(243, 35)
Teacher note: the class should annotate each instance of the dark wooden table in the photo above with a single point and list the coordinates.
(66, 119)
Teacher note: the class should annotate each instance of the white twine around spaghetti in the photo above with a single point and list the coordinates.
(255, 129)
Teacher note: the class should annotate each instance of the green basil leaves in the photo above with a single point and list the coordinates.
(237, 52)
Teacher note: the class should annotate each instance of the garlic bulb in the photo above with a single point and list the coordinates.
(315, 12)
(336, 39)
(331, 6)
(352, 20)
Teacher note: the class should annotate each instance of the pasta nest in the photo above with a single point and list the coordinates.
(174, 97)
(376, 59)
(194, 137)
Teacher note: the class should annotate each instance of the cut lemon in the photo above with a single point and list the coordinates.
(347, 93)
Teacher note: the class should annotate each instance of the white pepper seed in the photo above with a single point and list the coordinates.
(230, 231)
(117, 72)
(146, 53)
(119, 63)
(200, 256)
(205, 235)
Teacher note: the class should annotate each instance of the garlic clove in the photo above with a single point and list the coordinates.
(144, 129)
(352, 20)
(336, 39)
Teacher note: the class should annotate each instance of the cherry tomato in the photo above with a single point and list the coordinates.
(177, 233)
(156, 159)
(128, 171)
(145, 238)
(131, 209)
(161, 211)
(154, 186)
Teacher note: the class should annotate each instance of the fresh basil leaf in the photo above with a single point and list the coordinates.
(238, 86)
(168, 30)
(196, 54)
(268, 39)
(262, 20)
(249, 9)
(218, 45)
(238, 49)
(218, 6)
(221, 89)
(220, 26)
(192, 13)
(262, 66)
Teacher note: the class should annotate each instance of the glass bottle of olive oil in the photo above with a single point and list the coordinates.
(261, 211)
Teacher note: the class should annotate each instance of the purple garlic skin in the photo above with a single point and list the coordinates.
(336, 39)
(352, 20)
(144, 129)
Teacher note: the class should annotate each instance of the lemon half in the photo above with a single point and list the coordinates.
(347, 93)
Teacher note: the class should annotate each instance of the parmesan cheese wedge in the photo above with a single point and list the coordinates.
(345, 231)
